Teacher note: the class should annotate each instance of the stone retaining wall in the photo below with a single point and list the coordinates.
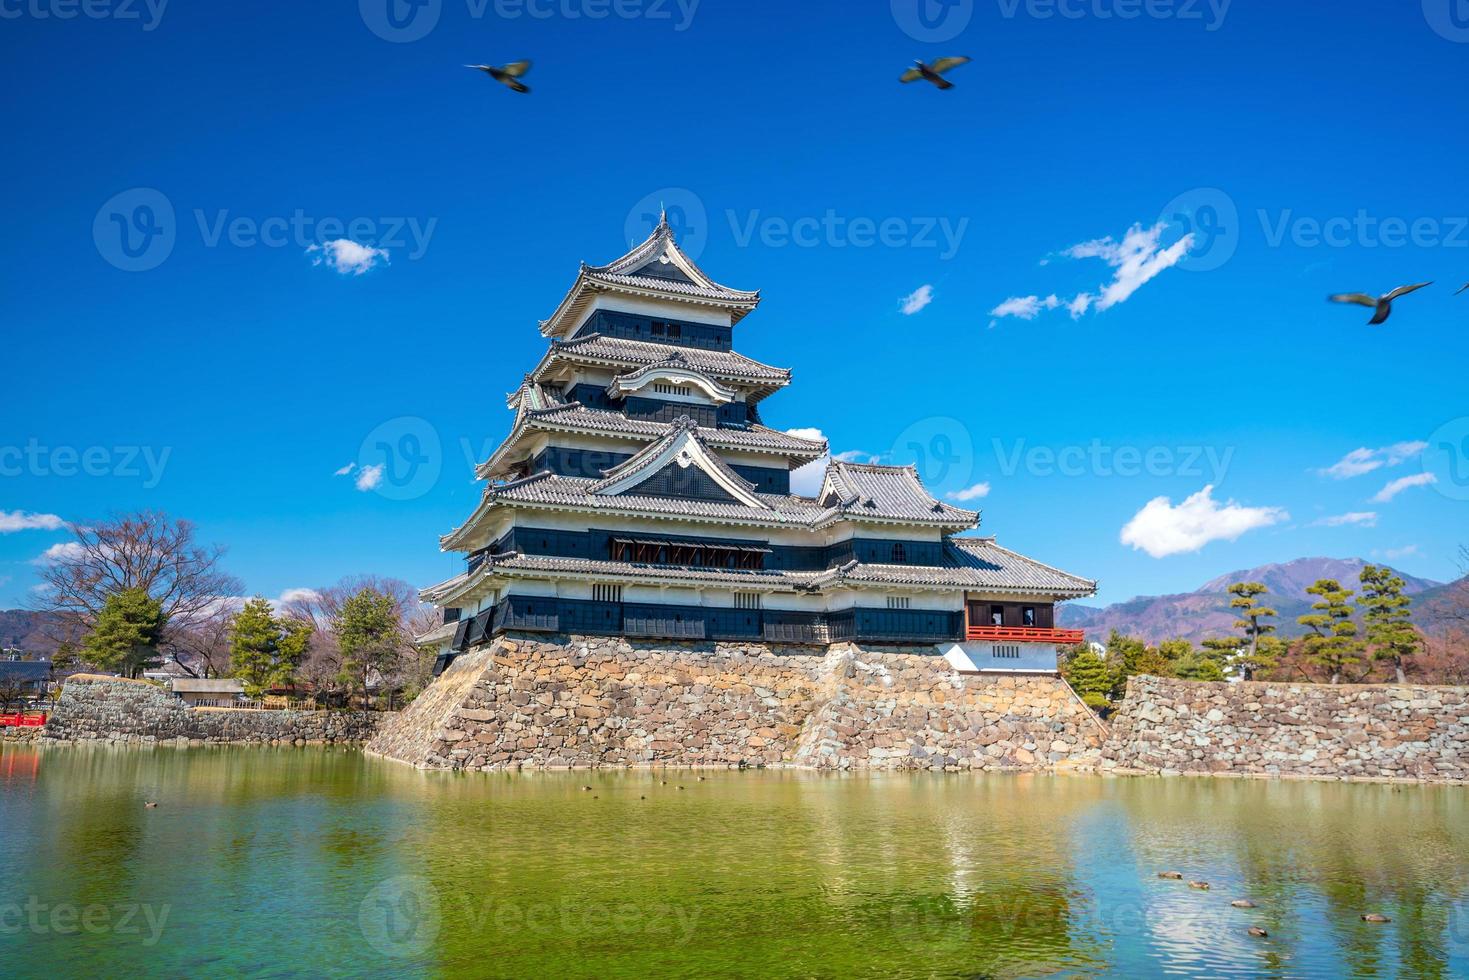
(113, 709)
(573, 701)
(1313, 731)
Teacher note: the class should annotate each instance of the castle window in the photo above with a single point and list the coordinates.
(898, 602)
(1028, 616)
(900, 554)
(997, 615)
(747, 600)
(606, 593)
(1009, 651)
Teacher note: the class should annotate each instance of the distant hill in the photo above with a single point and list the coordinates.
(32, 632)
(1205, 612)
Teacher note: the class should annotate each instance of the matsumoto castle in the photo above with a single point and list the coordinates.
(638, 494)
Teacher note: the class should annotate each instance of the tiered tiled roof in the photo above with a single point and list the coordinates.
(858, 489)
(657, 267)
(620, 352)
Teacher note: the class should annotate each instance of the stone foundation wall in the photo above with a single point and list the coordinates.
(573, 701)
(113, 709)
(1314, 731)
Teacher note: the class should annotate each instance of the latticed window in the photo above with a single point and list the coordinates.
(898, 602)
(900, 554)
(1009, 651)
(747, 600)
(606, 593)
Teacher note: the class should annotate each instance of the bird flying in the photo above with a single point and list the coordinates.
(508, 76)
(933, 73)
(1462, 288)
(1382, 304)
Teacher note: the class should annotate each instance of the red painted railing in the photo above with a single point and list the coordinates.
(36, 720)
(1025, 634)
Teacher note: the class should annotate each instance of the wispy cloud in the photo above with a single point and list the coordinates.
(64, 549)
(346, 256)
(369, 477)
(1364, 460)
(1403, 483)
(346, 470)
(971, 493)
(1361, 518)
(1162, 528)
(1136, 260)
(916, 300)
(19, 520)
(1403, 552)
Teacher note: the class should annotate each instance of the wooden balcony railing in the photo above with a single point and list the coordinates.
(1025, 634)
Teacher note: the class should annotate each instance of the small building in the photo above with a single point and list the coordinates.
(32, 676)
(209, 692)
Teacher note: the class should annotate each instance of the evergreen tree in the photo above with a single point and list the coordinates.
(291, 650)
(1390, 632)
(1089, 677)
(1128, 656)
(1251, 612)
(255, 646)
(1332, 642)
(126, 635)
(369, 636)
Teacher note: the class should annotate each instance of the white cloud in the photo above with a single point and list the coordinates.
(1135, 261)
(1161, 529)
(65, 549)
(346, 470)
(19, 520)
(806, 480)
(295, 595)
(1364, 460)
(916, 300)
(1361, 518)
(1403, 552)
(858, 456)
(1403, 483)
(971, 493)
(346, 256)
(369, 477)
(810, 434)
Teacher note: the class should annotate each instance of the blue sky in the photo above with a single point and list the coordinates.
(233, 371)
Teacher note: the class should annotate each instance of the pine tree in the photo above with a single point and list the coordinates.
(294, 644)
(1251, 611)
(1390, 632)
(369, 636)
(255, 646)
(126, 635)
(1089, 677)
(1333, 641)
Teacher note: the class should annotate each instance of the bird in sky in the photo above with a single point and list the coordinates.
(509, 75)
(1462, 288)
(1382, 304)
(934, 72)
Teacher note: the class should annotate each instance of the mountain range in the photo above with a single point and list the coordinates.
(1205, 612)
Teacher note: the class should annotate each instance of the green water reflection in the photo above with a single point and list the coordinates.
(267, 862)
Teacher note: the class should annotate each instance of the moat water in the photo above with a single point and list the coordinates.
(308, 862)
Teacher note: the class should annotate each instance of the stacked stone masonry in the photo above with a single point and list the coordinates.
(1313, 731)
(573, 702)
(113, 709)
